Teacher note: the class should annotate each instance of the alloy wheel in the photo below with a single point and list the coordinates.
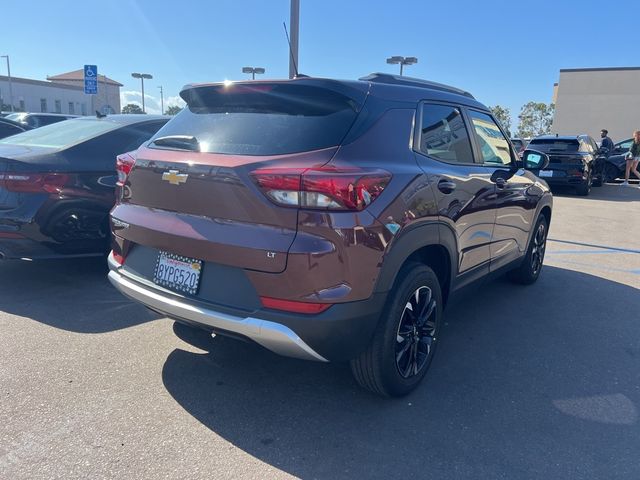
(416, 333)
(539, 246)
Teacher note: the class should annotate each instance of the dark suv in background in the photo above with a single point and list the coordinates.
(327, 220)
(571, 161)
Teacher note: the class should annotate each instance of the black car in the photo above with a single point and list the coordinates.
(616, 162)
(36, 120)
(520, 144)
(57, 184)
(571, 160)
(9, 127)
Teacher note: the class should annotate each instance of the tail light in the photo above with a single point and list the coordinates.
(34, 182)
(124, 164)
(326, 188)
(117, 257)
(292, 306)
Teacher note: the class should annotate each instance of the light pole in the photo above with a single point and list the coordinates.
(142, 76)
(9, 77)
(161, 100)
(253, 71)
(402, 61)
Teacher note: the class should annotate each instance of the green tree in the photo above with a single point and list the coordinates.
(173, 110)
(132, 108)
(503, 115)
(535, 119)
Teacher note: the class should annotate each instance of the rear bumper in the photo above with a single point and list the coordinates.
(565, 180)
(339, 333)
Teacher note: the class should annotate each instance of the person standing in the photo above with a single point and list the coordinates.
(633, 158)
(606, 141)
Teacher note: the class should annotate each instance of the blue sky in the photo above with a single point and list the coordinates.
(504, 52)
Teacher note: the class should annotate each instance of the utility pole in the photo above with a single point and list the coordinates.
(9, 77)
(161, 100)
(294, 24)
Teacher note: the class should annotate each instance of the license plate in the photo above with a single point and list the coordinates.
(546, 173)
(178, 273)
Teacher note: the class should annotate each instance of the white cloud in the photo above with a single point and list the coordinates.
(151, 103)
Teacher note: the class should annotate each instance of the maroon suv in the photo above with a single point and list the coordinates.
(327, 220)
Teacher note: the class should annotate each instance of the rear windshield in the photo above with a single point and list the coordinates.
(262, 119)
(555, 145)
(61, 134)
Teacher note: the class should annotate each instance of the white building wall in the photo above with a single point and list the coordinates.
(29, 94)
(589, 100)
(108, 95)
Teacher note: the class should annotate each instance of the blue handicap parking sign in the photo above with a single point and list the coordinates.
(91, 79)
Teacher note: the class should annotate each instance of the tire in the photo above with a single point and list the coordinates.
(611, 172)
(403, 345)
(599, 180)
(585, 188)
(529, 271)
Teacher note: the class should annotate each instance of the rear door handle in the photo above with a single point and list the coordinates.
(446, 186)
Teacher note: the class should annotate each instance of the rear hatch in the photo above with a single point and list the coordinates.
(565, 157)
(190, 191)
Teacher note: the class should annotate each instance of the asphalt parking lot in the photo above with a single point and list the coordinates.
(529, 382)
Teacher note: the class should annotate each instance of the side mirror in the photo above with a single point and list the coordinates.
(534, 160)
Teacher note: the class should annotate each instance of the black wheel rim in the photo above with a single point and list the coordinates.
(416, 335)
(538, 248)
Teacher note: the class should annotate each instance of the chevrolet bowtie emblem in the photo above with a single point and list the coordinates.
(174, 178)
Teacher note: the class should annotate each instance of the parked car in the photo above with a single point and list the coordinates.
(36, 120)
(572, 160)
(9, 127)
(616, 161)
(57, 184)
(520, 144)
(327, 220)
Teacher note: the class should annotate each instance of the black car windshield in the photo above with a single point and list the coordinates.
(265, 119)
(62, 134)
(555, 144)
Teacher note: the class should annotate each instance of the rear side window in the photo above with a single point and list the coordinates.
(443, 134)
(265, 119)
(624, 145)
(493, 144)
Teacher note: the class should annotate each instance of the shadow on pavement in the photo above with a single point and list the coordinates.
(70, 294)
(529, 382)
(608, 192)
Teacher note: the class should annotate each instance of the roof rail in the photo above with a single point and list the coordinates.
(412, 82)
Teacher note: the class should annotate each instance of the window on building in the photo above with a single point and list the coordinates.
(58, 104)
(43, 105)
(72, 108)
(83, 108)
(443, 134)
(22, 105)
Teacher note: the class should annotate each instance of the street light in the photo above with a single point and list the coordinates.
(9, 76)
(402, 61)
(142, 76)
(253, 71)
(161, 100)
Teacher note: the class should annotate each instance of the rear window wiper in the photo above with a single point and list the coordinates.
(181, 142)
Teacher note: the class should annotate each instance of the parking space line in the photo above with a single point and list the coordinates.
(600, 247)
